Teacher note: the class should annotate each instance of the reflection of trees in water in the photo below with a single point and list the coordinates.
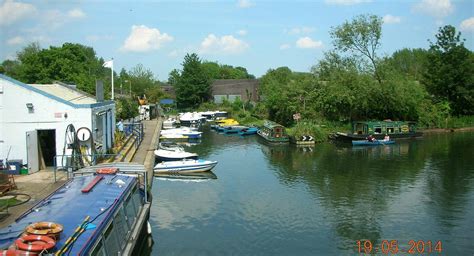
(450, 177)
(356, 185)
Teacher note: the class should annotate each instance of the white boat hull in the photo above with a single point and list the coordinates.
(186, 166)
(167, 155)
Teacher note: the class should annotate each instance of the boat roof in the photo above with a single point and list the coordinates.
(270, 124)
(69, 206)
(384, 122)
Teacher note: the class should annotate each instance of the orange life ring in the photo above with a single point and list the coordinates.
(15, 252)
(44, 228)
(35, 243)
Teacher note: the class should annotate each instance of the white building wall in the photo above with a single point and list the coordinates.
(16, 119)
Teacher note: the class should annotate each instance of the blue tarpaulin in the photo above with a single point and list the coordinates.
(166, 101)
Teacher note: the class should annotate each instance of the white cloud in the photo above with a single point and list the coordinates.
(11, 11)
(308, 43)
(224, 45)
(242, 32)
(284, 46)
(16, 40)
(143, 39)
(300, 30)
(76, 13)
(245, 4)
(390, 19)
(435, 8)
(467, 25)
(347, 2)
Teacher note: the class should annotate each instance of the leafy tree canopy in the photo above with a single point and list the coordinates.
(361, 36)
(193, 85)
(450, 73)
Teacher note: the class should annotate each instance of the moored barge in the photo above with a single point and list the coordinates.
(102, 210)
(378, 129)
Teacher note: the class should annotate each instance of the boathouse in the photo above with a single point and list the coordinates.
(34, 119)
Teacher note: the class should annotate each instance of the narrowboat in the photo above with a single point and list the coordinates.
(395, 129)
(273, 132)
(101, 210)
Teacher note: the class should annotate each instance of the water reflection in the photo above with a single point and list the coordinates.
(279, 200)
(198, 176)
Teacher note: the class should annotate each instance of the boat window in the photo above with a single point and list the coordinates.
(111, 241)
(98, 249)
(390, 129)
(121, 227)
(130, 211)
(137, 200)
(378, 129)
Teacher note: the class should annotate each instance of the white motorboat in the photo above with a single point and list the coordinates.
(182, 132)
(169, 123)
(184, 166)
(173, 152)
(190, 119)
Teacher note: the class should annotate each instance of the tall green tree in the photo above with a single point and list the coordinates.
(361, 37)
(285, 93)
(70, 63)
(193, 86)
(141, 79)
(409, 62)
(450, 73)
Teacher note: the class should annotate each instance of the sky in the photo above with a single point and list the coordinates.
(257, 35)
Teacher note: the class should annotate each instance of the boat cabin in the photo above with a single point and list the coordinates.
(273, 132)
(383, 127)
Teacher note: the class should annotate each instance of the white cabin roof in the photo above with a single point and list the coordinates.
(68, 94)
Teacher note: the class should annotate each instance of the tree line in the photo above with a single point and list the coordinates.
(351, 82)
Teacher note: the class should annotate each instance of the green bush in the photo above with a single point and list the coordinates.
(308, 128)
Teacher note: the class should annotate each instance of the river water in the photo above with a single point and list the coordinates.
(321, 200)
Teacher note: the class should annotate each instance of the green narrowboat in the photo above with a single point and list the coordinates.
(273, 132)
(378, 129)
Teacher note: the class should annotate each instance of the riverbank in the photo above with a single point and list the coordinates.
(441, 130)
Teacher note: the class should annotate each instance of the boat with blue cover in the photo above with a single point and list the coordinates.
(233, 128)
(372, 143)
(248, 131)
(102, 210)
(184, 166)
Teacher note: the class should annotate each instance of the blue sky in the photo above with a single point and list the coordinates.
(257, 35)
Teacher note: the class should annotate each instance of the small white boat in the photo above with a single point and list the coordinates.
(167, 155)
(182, 132)
(173, 152)
(188, 118)
(169, 123)
(184, 166)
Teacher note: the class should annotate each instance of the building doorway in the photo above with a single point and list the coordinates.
(46, 147)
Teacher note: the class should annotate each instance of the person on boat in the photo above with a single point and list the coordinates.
(386, 138)
(371, 138)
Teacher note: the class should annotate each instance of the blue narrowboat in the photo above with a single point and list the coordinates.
(101, 210)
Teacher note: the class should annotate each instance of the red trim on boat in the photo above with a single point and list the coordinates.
(91, 185)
